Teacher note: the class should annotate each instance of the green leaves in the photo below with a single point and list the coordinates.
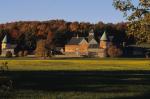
(138, 17)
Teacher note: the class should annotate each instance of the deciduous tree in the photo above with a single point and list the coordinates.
(138, 17)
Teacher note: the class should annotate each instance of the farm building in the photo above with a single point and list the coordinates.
(90, 46)
(138, 50)
(7, 46)
(77, 46)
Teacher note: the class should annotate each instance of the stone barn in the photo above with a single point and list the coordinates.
(88, 46)
(77, 46)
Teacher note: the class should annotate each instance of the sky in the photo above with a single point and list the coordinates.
(70, 10)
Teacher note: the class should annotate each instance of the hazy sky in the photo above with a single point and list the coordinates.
(69, 10)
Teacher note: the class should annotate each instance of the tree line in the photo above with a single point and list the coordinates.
(57, 32)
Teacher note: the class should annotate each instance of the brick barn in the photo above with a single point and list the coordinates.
(77, 46)
(88, 46)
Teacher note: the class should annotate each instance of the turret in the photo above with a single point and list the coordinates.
(104, 41)
(5, 44)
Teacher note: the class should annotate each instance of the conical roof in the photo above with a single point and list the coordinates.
(104, 37)
(4, 39)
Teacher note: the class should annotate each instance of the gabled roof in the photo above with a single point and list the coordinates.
(83, 41)
(4, 39)
(75, 40)
(104, 37)
(93, 41)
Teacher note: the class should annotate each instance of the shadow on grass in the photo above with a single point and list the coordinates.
(84, 81)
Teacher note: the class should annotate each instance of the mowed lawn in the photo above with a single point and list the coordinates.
(79, 79)
(78, 64)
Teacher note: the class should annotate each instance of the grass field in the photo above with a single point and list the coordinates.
(79, 79)
(78, 65)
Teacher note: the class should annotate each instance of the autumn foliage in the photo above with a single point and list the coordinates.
(56, 32)
(113, 51)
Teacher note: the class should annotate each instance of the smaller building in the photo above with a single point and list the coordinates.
(59, 49)
(7, 46)
(137, 50)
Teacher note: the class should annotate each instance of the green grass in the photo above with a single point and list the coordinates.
(78, 65)
(79, 78)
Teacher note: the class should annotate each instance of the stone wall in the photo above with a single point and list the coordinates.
(77, 49)
(4, 51)
(102, 53)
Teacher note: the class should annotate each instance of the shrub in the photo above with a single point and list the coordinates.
(20, 54)
(8, 54)
(113, 51)
(25, 53)
(147, 54)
